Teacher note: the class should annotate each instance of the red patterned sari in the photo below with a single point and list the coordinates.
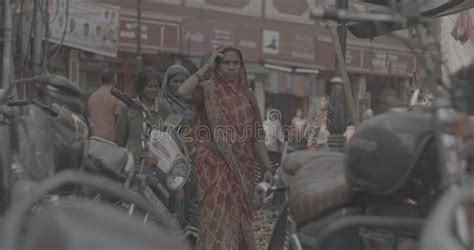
(225, 164)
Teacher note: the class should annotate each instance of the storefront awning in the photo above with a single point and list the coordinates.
(297, 67)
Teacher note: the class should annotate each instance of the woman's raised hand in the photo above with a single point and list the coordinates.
(213, 57)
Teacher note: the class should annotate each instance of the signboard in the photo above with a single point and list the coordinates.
(390, 63)
(366, 59)
(84, 25)
(201, 37)
(271, 42)
(303, 47)
(155, 35)
(288, 46)
(353, 58)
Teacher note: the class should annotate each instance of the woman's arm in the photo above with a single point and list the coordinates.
(185, 91)
(121, 131)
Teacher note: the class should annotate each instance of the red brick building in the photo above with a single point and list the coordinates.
(287, 54)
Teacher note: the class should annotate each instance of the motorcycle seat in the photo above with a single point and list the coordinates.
(319, 186)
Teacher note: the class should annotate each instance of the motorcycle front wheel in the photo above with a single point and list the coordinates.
(280, 239)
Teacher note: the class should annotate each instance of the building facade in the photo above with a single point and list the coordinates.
(290, 58)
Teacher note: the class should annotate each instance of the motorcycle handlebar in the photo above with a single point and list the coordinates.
(125, 99)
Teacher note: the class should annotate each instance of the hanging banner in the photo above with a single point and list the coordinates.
(84, 25)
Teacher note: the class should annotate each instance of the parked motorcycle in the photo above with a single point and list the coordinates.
(439, 232)
(165, 167)
(45, 131)
(47, 135)
(51, 133)
(378, 193)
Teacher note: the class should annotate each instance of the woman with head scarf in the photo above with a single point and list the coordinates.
(186, 207)
(229, 129)
(174, 77)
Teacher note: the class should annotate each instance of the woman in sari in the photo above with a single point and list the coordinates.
(186, 207)
(318, 132)
(228, 130)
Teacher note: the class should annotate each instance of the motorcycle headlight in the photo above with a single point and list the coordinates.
(178, 175)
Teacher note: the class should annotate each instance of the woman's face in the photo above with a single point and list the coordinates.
(151, 90)
(299, 113)
(323, 103)
(175, 82)
(229, 66)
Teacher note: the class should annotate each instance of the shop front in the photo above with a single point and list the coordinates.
(376, 73)
(293, 80)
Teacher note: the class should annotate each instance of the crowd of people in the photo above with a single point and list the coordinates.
(311, 134)
(221, 189)
(217, 95)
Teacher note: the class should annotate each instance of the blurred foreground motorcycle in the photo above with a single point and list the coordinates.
(378, 193)
(44, 134)
(77, 223)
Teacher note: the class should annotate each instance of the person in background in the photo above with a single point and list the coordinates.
(130, 122)
(367, 114)
(225, 167)
(298, 127)
(351, 128)
(349, 132)
(274, 137)
(299, 122)
(104, 108)
(187, 209)
(319, 133)
(174, 77)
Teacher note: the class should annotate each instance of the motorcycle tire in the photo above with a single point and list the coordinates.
(280, 236)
